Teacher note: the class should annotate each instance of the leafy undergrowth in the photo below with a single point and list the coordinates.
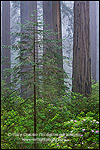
(71, 122)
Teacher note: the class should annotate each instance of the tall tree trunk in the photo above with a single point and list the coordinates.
(93, 38)
(81, 82)
(97, 42)
(52, 18)
(27, 8)
(6, 39)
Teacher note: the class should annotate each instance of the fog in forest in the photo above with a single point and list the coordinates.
(67, 20)
(50, 75)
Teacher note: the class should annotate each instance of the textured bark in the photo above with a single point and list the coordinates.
(93, 38)
(81, 49)
(6, 38)
(52, 18)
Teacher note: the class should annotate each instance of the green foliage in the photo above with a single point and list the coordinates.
(58, 111)
(82, 133)
(52, 117)
(80, 103)
(49, 77)
(16, 117)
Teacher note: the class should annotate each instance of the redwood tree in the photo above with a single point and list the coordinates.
(26, 9)
(6, 56)
(52, 18)
(93, 38)
(81, 49)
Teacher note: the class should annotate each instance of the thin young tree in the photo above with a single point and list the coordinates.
(26, 59)
(81, 49)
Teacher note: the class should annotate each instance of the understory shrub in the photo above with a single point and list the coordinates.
(80, 103)
(81, 133)
(75, 122)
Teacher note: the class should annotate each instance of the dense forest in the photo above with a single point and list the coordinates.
(49, 74)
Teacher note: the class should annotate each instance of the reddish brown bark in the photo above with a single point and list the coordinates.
(81, 49)
(52, 18)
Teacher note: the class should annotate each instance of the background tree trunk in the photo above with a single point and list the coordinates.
(93, 38)
(6, 38)
(97, 42)
(52, 18)
(81, 49)
(26, 9)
